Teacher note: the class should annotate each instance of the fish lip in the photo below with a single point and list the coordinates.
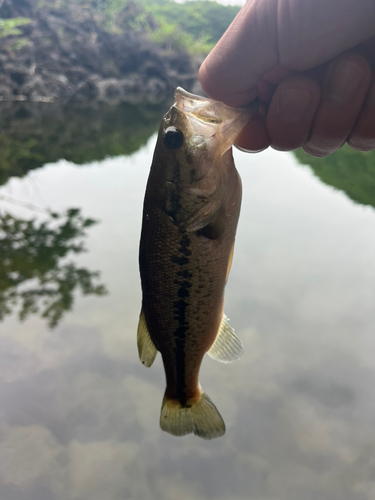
(202, 108)
(207, 124)
(208, 110)
(178, 112)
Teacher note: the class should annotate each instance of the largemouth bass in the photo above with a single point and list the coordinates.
(191, 208)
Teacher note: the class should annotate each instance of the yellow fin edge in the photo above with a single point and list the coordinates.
(201, 418)
(146, 349)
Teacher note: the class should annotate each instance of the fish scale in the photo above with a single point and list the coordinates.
(184, 318)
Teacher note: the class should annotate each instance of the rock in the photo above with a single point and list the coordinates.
(87, 91)
(110, 91)
(6, 88)
(132, 90)
(18, 8)
(47, 85)
(157, 91)
(17, 72)
(68, 56)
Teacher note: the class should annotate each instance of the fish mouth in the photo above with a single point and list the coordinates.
(202, 108)
(211, 111)
(208, 119)
(198, 129)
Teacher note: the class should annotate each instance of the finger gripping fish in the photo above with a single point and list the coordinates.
(191, 209)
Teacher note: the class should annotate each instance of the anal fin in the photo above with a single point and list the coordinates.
(146, 349)
(227, 346)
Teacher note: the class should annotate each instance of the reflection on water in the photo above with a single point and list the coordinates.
(348, 170)
(33, 134)
(79, 413)
(32, 275)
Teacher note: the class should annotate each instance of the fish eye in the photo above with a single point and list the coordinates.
(173, 138)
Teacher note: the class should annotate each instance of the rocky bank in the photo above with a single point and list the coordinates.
(66, 56)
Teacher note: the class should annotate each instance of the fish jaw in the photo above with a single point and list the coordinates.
(211, 119)
(207, 130)
(193, 181)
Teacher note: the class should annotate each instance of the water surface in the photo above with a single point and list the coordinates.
(79, 413)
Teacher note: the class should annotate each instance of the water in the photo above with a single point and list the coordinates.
(79, 413)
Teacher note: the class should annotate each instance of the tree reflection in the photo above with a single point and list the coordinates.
(33, 277)
(348, 170)
(33, 134)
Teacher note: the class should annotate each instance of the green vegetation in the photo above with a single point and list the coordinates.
(10, 27)
(194, 26)
(347, 170)
(31, 273)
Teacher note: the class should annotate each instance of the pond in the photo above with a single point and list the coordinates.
(79, 414)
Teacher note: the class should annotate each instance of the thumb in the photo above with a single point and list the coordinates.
(294, 34)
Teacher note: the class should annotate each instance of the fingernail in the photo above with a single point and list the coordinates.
(344, 81)
(249, 150)
(293, 105)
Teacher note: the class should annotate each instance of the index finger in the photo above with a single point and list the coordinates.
(294, 34)
(229, 73)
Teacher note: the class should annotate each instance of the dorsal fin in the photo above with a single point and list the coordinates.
(227, 346)
(146, 349)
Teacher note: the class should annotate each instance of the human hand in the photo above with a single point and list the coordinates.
(311, 63)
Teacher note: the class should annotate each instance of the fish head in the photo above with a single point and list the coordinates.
(193, 162)
(196, 132)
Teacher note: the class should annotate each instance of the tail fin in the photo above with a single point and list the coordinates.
(202, 418)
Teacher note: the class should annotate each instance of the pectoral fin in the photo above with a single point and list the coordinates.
(146, 349)
(202, 217)
(199, 208)
(227, 346)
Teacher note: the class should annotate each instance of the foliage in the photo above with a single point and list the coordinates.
(194, 26)
(171, 37)
(349, 170)
(200, 19)
(10, 27)
(31, 272)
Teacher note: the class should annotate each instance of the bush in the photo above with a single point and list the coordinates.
(10, 27)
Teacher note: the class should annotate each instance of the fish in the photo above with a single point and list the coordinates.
(190, 214)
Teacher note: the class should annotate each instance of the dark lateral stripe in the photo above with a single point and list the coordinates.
(181, 261)
(179, 307)
(184, 273)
